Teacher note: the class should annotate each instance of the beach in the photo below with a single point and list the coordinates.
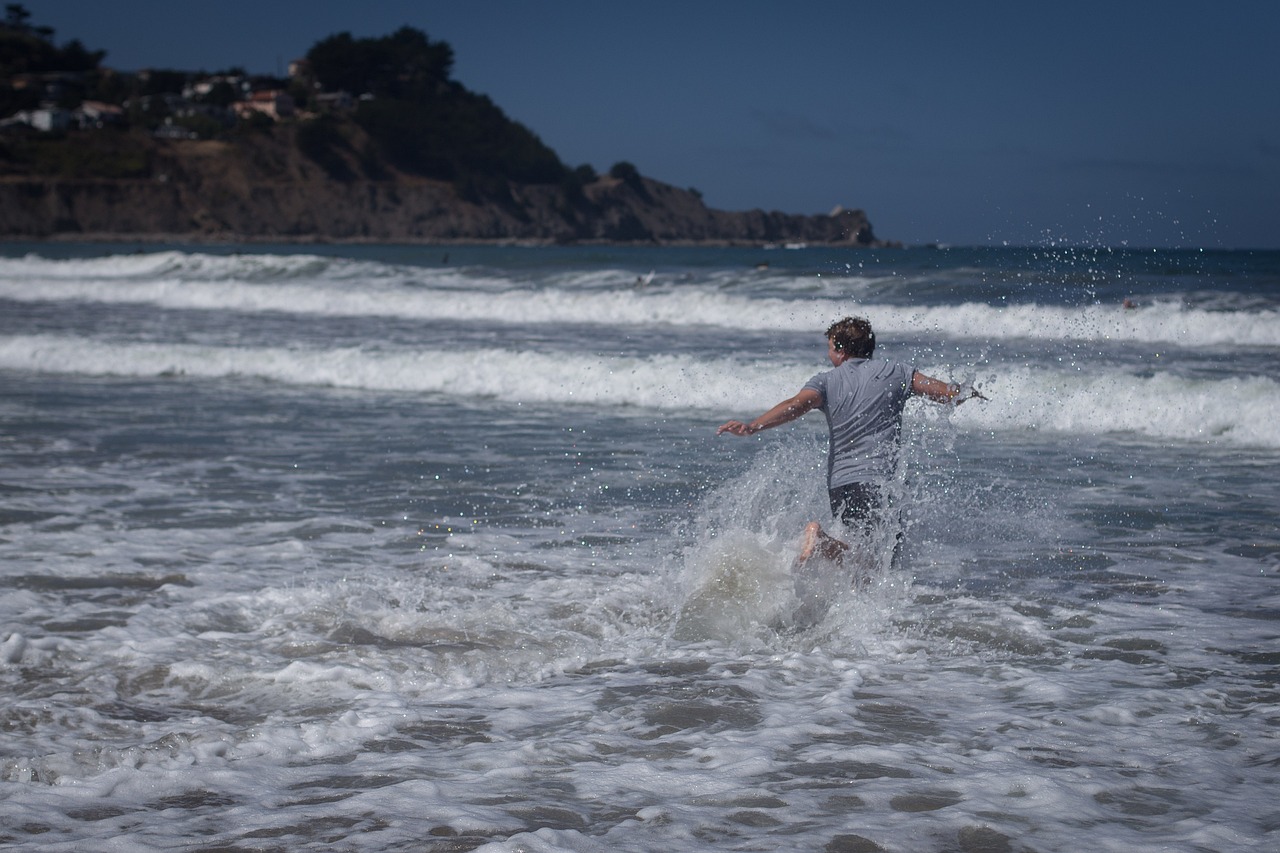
(379, 548)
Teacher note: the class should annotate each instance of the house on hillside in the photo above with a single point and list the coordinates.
(275, 103)
(45, 119)
(201, 90)
(96, 114)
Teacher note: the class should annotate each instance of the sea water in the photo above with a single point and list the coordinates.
(436, 549)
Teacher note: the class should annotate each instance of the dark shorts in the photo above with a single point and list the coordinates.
(868, 510)
(857, 504)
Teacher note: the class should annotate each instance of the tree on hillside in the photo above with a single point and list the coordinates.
(425, 123)
(15, 20)
(29, 50)
(629, 175)
(404, 65)
(25, 49)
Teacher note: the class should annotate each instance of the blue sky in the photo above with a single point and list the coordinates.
(1124, 122)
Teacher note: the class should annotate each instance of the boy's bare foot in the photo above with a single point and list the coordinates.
(809, 540)
(816, 540)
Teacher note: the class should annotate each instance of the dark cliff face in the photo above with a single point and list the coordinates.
(261, 186)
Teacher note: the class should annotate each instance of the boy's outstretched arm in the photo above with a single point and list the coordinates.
(942, 392)
(785, 412)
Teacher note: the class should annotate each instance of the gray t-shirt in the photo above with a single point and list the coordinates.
(863, 401)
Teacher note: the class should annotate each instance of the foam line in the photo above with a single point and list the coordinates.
(1234, 411)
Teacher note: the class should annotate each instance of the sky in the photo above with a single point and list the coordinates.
(1142, 123)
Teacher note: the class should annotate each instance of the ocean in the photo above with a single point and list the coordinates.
(396, 548)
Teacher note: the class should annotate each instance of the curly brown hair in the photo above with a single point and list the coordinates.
(853, 337)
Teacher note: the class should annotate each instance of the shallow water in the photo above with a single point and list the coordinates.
(363, 550)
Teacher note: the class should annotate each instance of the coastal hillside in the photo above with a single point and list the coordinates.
(366, 140)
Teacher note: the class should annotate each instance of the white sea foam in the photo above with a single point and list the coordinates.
(182, 266)
(661, 382)
(1240, 411)
(1163, 405)
(451, 298)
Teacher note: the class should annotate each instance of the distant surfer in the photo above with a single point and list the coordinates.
(863, 400)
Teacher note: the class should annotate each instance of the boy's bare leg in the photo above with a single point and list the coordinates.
(815, 540)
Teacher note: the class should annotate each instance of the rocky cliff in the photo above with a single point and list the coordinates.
(261, 186)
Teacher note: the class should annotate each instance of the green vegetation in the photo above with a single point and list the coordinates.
(629, 175)
(422, 121)
(114, 156)
(322, 141)
(25, 49)
(404, 66)
(28, 52)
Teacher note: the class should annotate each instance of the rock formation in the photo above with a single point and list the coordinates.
(261, 186)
